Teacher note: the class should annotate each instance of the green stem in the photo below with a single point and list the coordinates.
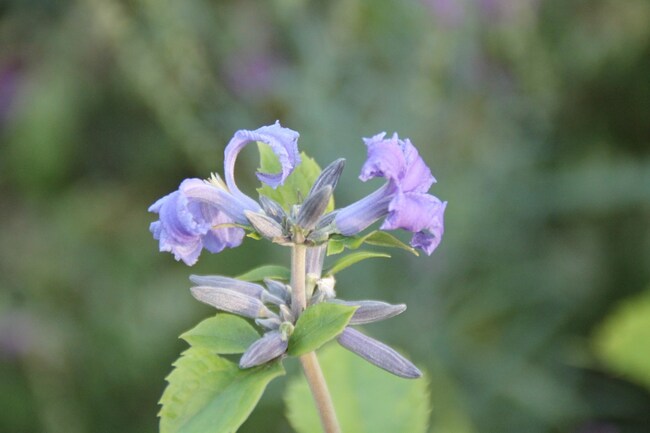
(309, 361)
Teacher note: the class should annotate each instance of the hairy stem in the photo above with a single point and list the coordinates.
(309, 361)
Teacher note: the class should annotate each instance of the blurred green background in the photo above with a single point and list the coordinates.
(534, 115)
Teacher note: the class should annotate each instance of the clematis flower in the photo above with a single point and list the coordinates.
(403, 199)
(204, 214)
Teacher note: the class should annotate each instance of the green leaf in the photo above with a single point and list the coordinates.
(338, 243)
(275, 272)
(351, 259)
(623, 341)
(296, 186)
(366, 399)
(209, 394)
(222, 334)
(317, 325)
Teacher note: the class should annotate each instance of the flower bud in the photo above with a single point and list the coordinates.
(265, 226)
(245, 287)
(329, 176)
(272, 209)
(231, 301)
(313, 207)
(371, 311)
(378, 353)
(278, 289)
(270, 346)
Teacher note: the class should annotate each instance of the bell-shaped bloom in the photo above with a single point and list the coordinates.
(203, 214)
(185, 227)
(403, 199)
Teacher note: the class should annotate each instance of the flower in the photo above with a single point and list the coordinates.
(209, 214)
(403, 199)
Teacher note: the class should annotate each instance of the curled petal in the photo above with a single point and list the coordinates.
(231, 301)
(378, 353)
(270, 346)
(283, 142)
(371, 311)
(250, 289)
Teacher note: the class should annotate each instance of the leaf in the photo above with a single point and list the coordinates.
(209, 394)
(623, 340)
(351, 259)
(222, 334)
(366, 399)
(275, 272)
(317, 325)
(296, 186)
(338, 243)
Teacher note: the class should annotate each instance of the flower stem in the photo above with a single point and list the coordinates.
(309, 361)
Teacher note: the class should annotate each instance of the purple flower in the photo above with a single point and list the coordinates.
(185, 227)
(403, 199)
(201, 214)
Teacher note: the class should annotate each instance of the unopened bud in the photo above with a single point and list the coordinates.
(270, 346)
(265, 225)
(371, 311)
(231, 301)
(250, 289)
(378, 353)
(313, 207)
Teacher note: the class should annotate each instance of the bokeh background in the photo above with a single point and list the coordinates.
(534, 116)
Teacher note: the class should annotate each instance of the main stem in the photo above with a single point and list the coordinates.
(309, 361)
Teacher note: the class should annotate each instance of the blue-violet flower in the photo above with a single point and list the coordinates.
(403, 199)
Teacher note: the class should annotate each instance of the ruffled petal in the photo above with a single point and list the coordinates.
(417, 175)
(214, 196)
(412, 212)
(429, 238)
(385, 158)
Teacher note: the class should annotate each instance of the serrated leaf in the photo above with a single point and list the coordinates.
(366, 399)
(275, 272)
(209, 394)
(623, 340)
(296, 186)
(317, 325)
(338, 243)
(353, 258)
(222, 334)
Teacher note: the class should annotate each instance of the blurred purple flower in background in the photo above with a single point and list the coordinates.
(403, 199)
(9, 78)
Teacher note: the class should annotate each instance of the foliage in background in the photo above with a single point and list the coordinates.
(534, 113)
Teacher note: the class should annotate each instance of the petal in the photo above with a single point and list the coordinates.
(428, 239)
(378, 353)
(219, 198)
(283, 142)
(412, 211)
(417, 176)
(385, 158)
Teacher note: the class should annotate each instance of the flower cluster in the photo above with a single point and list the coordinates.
(215, 214)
